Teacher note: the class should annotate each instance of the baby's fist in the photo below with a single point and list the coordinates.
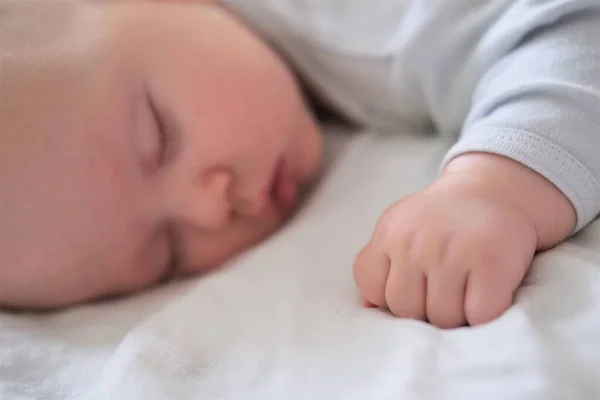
(451, 254)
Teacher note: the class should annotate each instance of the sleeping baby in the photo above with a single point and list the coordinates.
(143, 140)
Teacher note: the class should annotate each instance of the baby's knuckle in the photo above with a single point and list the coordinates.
(413, 250)
(445, 249)
(489, 259)
(386, 225)
(442, 270)
(474, 253)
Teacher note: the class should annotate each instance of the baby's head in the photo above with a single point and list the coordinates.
(138, 140)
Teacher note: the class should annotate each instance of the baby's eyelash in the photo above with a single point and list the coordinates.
(163, 137)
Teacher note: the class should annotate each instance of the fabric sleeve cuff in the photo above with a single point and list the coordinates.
(561, 168)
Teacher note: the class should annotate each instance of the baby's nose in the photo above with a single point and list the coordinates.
(206, 202)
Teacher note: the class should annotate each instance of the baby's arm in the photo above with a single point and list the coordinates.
(525, 174)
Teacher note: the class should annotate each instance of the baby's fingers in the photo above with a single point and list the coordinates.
(406, 290)
(489, 294)
(371, 270)
(446, 297)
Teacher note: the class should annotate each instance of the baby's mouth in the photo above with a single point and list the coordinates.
(284, 187)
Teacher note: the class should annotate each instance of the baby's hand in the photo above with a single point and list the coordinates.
(455, 252)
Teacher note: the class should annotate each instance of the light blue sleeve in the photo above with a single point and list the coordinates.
(539, 104)
(519, 78)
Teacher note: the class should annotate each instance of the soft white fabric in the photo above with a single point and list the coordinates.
(284, 321)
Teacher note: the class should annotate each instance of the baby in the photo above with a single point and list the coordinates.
(143, 140)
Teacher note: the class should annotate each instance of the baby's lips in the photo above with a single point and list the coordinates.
(285, 188)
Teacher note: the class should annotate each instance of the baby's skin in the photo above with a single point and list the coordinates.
(142, 140)
(139, 141)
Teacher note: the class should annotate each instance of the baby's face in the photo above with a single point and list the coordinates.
(139, 141)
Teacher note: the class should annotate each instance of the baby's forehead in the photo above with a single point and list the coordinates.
(37, 26)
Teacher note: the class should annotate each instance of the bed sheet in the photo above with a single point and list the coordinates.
(283, 321)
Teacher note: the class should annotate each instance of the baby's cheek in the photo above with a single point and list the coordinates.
(311, 153)
(204, 251)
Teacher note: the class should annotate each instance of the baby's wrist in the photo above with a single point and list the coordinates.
(516, 185)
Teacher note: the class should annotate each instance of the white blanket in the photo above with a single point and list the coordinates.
(284, 321)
